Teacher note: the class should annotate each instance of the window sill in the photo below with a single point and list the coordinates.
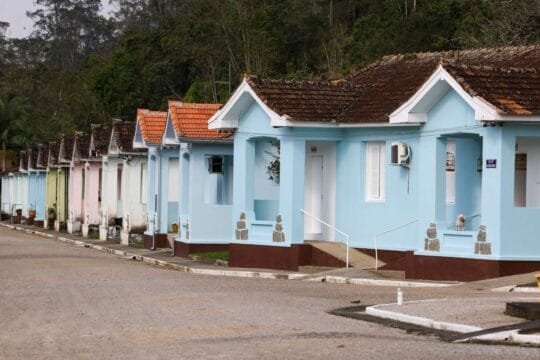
(375, 200)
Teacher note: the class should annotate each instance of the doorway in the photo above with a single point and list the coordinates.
(319, 190)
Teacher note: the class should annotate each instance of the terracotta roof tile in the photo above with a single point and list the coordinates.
(391, 81)
(152, 125)
(512, 91)
(305, 100)
(373, 93)
(190, 120)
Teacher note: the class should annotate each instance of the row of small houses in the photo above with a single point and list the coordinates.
(429, 162)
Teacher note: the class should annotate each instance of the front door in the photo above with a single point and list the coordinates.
(314, 196)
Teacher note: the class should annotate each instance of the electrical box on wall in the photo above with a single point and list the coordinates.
(400, 154)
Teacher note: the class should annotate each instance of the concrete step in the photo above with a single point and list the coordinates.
(338, 250)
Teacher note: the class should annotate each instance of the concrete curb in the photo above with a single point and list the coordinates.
(517, 289)
(504, 336)
(232, 273)
(157, 262)
(377, 282)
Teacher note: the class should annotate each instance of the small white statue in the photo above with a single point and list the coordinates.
(460, 222)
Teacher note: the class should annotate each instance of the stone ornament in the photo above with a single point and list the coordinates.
(481, 246)
(431, 242)
(242, 232)
(278, 235)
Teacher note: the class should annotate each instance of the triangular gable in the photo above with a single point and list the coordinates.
(114, 147)
(229, 115)
(170, 137)
(439, 83)
(138, 140)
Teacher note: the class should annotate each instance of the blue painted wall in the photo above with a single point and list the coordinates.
(208, 222)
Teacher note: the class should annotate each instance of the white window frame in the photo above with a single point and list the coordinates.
(375, 161)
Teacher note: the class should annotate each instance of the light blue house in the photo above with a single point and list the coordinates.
(162, 195)
(392, 157)
(36, 171)
(204, 178)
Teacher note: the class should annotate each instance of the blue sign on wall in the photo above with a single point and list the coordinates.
(491, 163)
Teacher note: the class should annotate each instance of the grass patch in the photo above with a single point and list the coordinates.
(217, 255)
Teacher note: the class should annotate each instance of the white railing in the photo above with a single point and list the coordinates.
(386, 232)
(347, 237)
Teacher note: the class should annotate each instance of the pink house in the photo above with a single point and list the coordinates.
(77, 174)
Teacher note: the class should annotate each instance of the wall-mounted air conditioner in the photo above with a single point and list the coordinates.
(401, 154)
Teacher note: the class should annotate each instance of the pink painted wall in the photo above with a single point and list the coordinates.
(91, 196)
(75, 192)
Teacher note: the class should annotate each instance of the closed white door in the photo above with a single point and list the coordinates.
(314, 194)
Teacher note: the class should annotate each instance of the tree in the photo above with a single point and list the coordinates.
(70, 30)
(13, 126)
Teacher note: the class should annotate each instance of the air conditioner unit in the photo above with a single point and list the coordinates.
(401, 154)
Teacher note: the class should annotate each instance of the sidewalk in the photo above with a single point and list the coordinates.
(164, 258)
(462, 315)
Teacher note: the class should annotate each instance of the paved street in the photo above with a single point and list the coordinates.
(59, 301)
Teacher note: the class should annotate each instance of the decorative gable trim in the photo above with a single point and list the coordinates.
(229, 115)
(138, 140)
(439, 83)
(169, 135)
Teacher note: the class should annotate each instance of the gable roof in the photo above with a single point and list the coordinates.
(304, 100)
(81, 142)
(52, 156)
(42, 156)
(152, 125)
(390, 82)
(122, 136)
(512, 91)
(23, 160)
(100, 136)
(505, 77)
(32, 158)
(65, 150)
(190, 120)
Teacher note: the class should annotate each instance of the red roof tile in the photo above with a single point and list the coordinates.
(152, 125)
(373, 93)
(512, 91)
(190, 120)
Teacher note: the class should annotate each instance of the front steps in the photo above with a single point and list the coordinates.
(338, 250)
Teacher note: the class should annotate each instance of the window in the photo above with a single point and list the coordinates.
(375, 171)
(215, 165)
(451, 172)
(218, 183)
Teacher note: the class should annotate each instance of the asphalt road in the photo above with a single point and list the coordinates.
(59, 301)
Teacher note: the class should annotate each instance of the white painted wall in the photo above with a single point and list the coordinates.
(174, 179)
(134, 190)
(531, 147)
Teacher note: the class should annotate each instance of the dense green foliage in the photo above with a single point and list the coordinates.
(78, 67)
